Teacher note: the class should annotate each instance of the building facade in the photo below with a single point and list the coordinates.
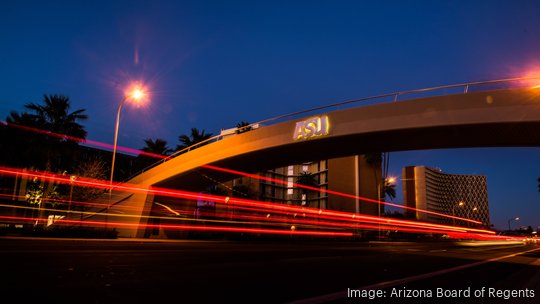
(457, 195)
(352, 175)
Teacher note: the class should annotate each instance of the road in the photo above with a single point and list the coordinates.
(291, 271)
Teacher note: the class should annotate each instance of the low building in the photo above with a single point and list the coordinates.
(351, 175)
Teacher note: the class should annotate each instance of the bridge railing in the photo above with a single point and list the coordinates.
(462, 88)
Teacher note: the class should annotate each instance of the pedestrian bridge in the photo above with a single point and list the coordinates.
(497, 118)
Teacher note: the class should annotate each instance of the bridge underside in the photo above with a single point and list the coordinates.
(460, 136)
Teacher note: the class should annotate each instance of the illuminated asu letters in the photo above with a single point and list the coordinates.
(312, 127)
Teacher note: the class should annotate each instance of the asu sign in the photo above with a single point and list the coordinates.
(312, 127)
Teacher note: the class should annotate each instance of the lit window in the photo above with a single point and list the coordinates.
(290, 184)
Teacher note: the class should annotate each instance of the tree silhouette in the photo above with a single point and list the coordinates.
(54, 116)
(28, 133)
(157, 146)
(194, 138)
(94, 169)
(388, 189)
(307, 179)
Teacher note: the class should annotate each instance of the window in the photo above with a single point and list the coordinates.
(290, 180)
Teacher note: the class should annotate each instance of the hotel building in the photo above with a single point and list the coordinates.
(457, 195)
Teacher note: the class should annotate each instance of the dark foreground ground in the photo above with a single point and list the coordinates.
(141, 271)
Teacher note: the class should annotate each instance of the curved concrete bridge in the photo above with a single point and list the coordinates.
(502, 118)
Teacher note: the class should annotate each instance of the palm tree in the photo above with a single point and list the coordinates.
(375, 160)
(379, 163)
(54, 116)
(389, 189)
(157, 146)
(307, 179)
(195, 137)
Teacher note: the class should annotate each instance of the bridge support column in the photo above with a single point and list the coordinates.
(133, 212)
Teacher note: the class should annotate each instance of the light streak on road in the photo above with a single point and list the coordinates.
(278, 181)
(208, 228)
(314, 212)
(21, 198)
(206, 225)
(251, 220)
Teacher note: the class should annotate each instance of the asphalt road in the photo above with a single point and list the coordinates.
(137, 271)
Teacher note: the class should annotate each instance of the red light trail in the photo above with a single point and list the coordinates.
(194, 227)
(261, 206)
(337, 193)
(87, 141)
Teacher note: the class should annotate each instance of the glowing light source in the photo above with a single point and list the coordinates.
(136, 92)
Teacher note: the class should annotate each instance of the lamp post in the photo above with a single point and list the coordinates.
(471, 213)
(72, 179)
(382, 183)
(136, 93)
(512, 219)
(460, 204)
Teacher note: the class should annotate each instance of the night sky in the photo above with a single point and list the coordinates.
(212, 64)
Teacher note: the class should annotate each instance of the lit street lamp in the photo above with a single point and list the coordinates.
(471, 213)
(512, 219)
(460, 204)
(384, 182)
(72, 179)
(136, 93)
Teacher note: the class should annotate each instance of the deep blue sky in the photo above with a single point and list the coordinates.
(211, 64)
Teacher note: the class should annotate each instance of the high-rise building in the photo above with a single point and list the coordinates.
(457, 195)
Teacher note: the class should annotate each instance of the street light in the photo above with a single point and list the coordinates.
(137, 93)
(475, 209)
(460, 204)
(471, 214)
(512, 219)
(385, 181)
(72, 179)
